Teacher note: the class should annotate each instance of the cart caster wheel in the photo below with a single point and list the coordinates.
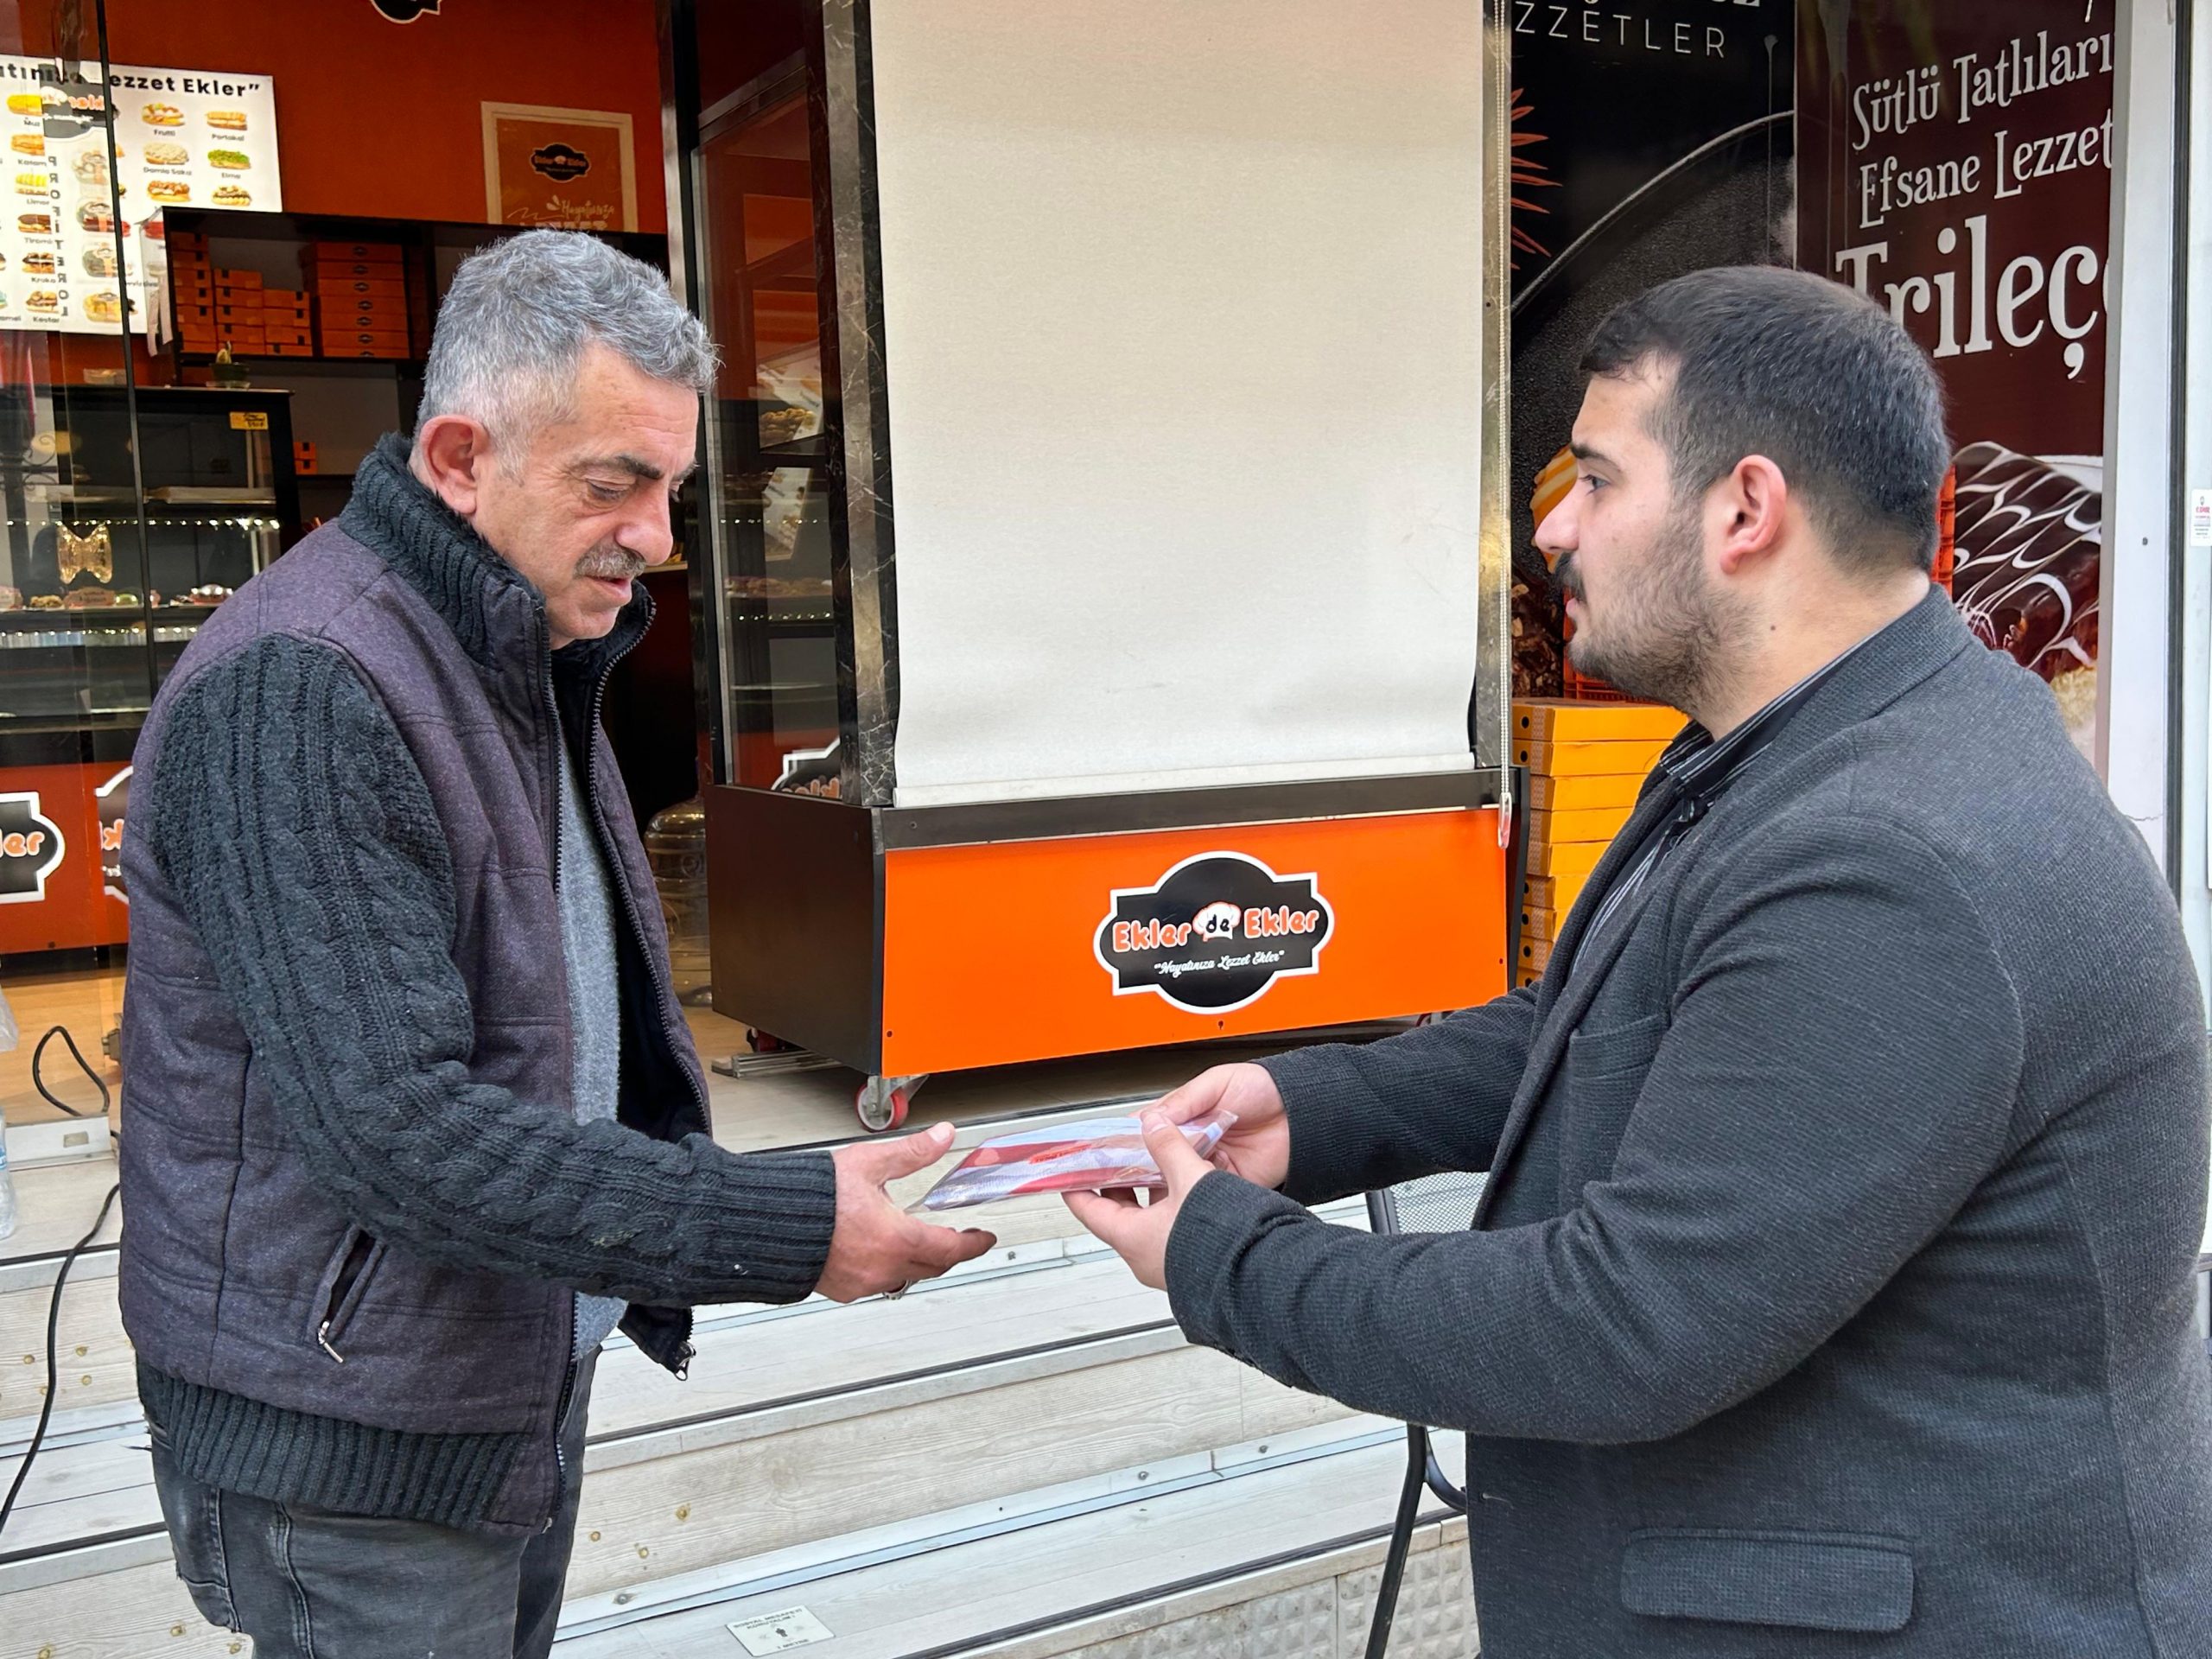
(762, 1042)
(882, 1102)
(882, 1106)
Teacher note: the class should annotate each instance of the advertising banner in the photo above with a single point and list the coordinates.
(1957, 167)
(1651, 138)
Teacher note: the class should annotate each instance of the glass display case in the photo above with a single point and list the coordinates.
(771, 582)
(130, 516)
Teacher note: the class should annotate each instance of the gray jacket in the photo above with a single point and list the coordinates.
(1831, 1291)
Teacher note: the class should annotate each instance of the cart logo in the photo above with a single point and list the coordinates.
(405, 11)
(113, 800)
(1214, 933)
(30, 846)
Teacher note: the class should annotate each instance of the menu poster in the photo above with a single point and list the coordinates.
(181, 137)
(1957, 167)
(573, 170)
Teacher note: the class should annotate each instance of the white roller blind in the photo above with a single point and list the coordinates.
(1183, 322)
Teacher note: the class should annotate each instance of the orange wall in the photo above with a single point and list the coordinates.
(381, 119)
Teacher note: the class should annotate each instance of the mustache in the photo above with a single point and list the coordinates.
(1567, 578)
(613, 563)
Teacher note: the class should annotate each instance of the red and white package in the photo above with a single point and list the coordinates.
(1099, 1154)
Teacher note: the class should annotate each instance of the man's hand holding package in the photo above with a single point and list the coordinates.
(1257, 1145)
(877, 1248)
(1138, 1231)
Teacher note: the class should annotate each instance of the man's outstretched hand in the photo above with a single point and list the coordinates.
(1138, 1232)
(877, 1248)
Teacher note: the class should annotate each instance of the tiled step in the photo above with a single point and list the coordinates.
(1271, 1549)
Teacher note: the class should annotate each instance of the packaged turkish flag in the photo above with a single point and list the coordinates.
(1097, 1155)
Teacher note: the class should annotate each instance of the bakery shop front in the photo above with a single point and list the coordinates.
(221, 247)
(921, 461)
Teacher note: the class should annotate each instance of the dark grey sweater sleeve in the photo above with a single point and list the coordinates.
(1426, 1101)
(297, 832)
(1838, 1076)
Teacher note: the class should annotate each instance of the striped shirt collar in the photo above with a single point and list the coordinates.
(1697, 763)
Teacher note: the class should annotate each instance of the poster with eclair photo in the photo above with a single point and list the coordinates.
(197, 138)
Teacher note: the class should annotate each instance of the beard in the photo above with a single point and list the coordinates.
(1663, 631)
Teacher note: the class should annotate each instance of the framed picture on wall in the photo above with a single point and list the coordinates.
(575, 169)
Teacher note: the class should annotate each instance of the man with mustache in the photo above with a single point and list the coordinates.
(1830, 1290)
(416, 1121)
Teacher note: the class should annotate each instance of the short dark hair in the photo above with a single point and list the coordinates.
(1806, 372)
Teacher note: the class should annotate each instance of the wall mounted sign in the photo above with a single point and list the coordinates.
(574, 169)
(181, 137)
(1214, 932)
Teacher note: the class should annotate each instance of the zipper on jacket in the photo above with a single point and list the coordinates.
(552, 707)
(560, 1426)
(356, 1259)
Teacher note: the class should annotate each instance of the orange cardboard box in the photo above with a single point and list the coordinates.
(1576, 858)
(1556, 894)
(320, 251)
(1562, 719)
(1583, 760)
(1584, 794)
(1534, 954)
(391, 269)
(392, 288)
(1590, 823)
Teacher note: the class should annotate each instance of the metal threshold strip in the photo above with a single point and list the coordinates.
(1130, 1487)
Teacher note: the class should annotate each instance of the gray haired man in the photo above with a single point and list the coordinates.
(414, 1119)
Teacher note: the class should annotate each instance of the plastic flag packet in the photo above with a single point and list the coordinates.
(1097, 1155)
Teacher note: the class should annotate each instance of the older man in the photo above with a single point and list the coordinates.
(414, 1119)
(1830, 1291)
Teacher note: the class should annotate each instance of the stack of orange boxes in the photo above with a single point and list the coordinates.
(238, 320)
(360, 298)
(191, 292)
(288, 322)
(1585, 763)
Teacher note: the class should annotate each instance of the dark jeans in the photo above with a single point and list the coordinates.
(313, 1584)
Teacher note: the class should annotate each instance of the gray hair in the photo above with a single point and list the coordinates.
(513, 329)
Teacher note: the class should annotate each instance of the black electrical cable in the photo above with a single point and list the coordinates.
(53, 1348)
(77, 1054)
(61, 1275)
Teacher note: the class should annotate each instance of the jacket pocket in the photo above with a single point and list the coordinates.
(1601, 1082)
(345, 1281)
(1806, 1580)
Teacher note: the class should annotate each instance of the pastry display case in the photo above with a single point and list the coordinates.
(131, 513)
(125, 526)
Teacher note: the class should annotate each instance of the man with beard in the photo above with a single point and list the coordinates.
(416, 1121)
(1830, 1290)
